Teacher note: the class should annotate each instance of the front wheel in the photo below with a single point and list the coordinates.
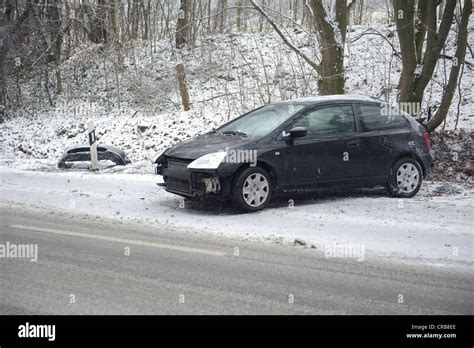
(252, 190)
(405, 178)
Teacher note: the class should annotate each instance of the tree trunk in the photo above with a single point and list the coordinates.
(94, 32)
(295, 10)
(117, 83)
(458, 60)
(415, 77)
(209, 11)
(3, 84)
(112, 19)
(331, 42)
(441, 7)
(420, 28)
(5, 24)
(361, 12)
(222, 16)
(239, 15)
(183, 27)
(54, 12)
(262, 20)
(341, 18)
(404, 19)
(135, 13)
(115, 32)
(146, 10)
(435, 43)
(101, 29)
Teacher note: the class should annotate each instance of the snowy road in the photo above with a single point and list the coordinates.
(433, 228)
(82, 268)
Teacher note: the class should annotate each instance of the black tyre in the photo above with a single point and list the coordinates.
(405, 178)
(252, 190)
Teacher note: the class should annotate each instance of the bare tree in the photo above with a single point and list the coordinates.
(418, 66)
(416, 23)
(331, 36)
(458, 61)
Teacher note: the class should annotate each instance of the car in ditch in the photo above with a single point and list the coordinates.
(82, 153)
(336, 141)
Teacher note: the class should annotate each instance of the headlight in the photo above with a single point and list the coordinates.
(158, 155)
(209, 161)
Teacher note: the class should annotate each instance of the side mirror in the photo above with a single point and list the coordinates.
(298, 132)
(295, 132)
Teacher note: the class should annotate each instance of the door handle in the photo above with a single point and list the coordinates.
(353, 143)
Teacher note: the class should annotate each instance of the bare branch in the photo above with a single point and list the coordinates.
(295, 49)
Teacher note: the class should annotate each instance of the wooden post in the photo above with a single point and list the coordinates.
(183, 88)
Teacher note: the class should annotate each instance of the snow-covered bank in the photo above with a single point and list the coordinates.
(434, 227)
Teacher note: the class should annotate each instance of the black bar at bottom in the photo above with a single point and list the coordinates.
(455, 331)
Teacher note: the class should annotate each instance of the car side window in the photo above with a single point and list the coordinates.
(379, 117)
(328, 120)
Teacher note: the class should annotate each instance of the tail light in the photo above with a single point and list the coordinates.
(427, 138)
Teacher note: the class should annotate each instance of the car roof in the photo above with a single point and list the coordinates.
(334, 97)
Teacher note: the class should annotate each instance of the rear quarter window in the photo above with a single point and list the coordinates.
(380, 116)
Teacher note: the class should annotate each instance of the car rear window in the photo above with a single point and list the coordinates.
(381, 116)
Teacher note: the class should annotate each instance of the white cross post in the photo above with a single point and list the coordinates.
(92, 143)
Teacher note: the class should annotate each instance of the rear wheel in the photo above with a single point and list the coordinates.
(405, 178)
(252, 190)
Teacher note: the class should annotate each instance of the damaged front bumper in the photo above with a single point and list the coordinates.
(178, 179)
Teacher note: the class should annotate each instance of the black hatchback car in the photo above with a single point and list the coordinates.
(320, 142)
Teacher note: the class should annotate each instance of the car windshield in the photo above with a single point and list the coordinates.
(261, 121)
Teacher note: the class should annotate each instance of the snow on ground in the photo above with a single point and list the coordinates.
(434, 227)
(227, 75)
